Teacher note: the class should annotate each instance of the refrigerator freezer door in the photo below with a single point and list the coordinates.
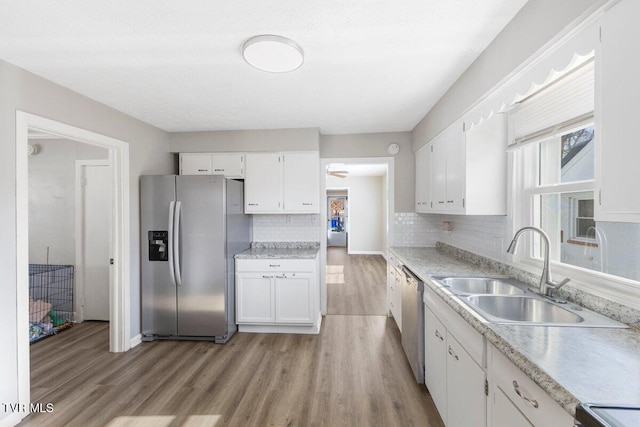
(201, 295)
(158, 292)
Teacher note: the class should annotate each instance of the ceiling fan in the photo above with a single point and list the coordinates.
(339, 174)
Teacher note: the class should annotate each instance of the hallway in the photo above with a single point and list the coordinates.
(356, 284)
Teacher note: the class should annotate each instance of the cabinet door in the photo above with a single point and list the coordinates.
(435, 362)
(504, 413)
(294, 298)
(301, 182)
(195, 164)
(396, 299)
(423, 189)
(617, 137)
(255, 298)
(439, 174)
(231, 165)
(263, 183)
(455, 168)
(466, 401)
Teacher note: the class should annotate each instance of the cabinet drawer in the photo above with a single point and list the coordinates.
(540, 408)
(468, 337)
(285, 265)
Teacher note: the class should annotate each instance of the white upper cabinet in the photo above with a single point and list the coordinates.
(263, 183)
(423, 181)
(301, 182)
(617, 94)
(285, 183)
(231, 165)
(467, 170)
(195, 164)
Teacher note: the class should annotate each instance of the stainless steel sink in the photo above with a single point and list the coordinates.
(523, 309)
(480, 285)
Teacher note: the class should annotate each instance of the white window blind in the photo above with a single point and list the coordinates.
(561, 105)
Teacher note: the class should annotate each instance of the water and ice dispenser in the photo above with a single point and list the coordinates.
(158, 245)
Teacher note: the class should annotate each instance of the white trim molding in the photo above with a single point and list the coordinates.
(120, 311)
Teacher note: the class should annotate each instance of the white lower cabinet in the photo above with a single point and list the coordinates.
(255, 298)
(454, 365)
(515, 400)
(395, 279)
(276, 293)
(294, 299)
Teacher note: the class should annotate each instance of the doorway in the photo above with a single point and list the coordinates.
(119, 238)
(369, 231)
(338, 218)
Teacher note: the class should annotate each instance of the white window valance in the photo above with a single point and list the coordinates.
(566, 55)
(558, 107)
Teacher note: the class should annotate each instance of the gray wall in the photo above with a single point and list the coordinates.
(535, 25)
(375, 145)
(148, 154)
(52, 198)
(245, 140)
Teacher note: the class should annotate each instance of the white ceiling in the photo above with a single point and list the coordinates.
(370, 65)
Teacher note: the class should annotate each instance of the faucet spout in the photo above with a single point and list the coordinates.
(547, 285)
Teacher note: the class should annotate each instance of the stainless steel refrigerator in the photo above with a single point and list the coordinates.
(191, 228)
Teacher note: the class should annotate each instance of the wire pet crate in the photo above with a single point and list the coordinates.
(50, 299)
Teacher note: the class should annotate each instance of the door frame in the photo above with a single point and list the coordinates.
(120, 277)
(324, 163)
(80, 234)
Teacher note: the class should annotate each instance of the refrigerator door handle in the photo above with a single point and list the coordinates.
(172, 273)
(176, 246)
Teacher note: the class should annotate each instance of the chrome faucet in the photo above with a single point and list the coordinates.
(547, 285)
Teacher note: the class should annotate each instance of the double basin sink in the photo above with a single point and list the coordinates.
(507, 301)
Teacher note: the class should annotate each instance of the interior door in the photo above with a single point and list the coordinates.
(95, 224)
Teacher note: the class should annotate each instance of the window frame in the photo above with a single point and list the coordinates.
(523, 179)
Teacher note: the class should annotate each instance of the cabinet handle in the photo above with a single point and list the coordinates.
(441, 202)
(203, 170)
(532, 402)
(281, 277)
(253, 204)
(307, 204)
(274, 265)
(440, 337)
(219, 170)
(453, 353)
(267, 277)
(449, 201)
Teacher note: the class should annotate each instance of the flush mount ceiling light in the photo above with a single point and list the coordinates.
(275, 54)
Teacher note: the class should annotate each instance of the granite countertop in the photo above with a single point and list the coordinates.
(572, 364)
(280, 250)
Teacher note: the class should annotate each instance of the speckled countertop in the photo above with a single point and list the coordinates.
(280, 250)
(572, 364)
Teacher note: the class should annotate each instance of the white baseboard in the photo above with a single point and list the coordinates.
(365, 253)
(136, 340)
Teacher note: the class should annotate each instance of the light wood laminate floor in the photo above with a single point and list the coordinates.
(353, 373)
(362, 287)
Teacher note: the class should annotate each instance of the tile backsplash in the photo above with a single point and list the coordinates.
(286, 228)
(412, 229)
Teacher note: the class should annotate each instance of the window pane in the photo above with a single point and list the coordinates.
(567, 158)
(585, 208)
(578, 240)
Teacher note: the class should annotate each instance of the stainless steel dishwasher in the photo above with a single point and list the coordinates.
(413, 322)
